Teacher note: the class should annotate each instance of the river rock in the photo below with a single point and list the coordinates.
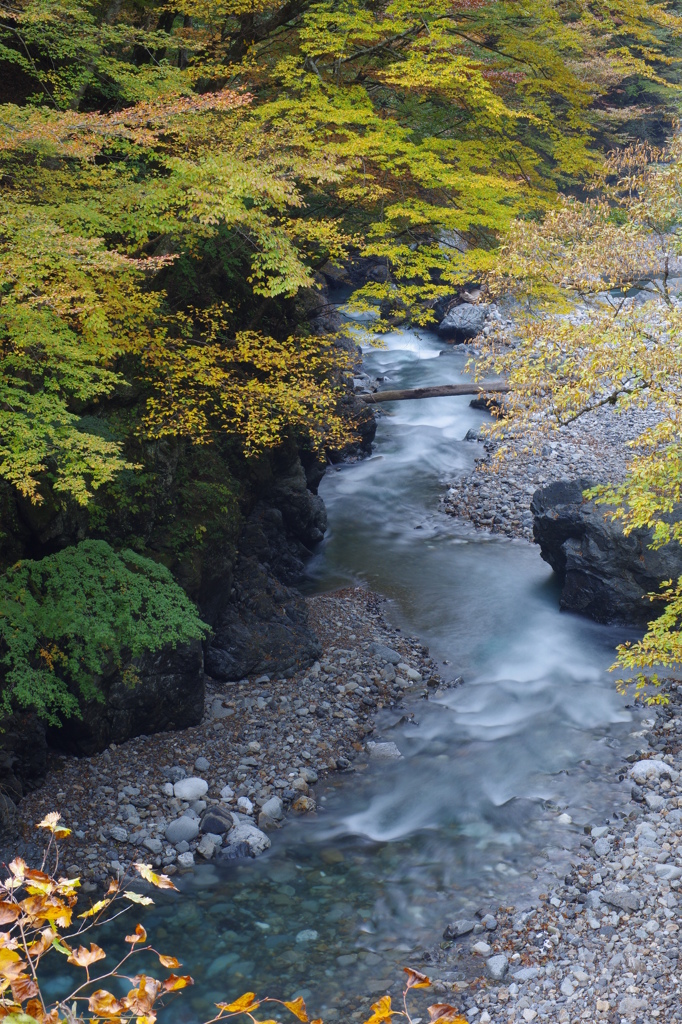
(244, 840)
(463, 321)
(383, 751)
(383, 653)
(623, 900)
(216, 819)
(273, 809)
(458, 928)
(183, 829)
(190, 789)
(497, 966)
(651, 769)
(604, 573)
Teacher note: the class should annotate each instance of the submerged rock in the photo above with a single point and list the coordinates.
(605, 574)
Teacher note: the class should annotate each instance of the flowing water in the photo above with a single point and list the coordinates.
(469, 816)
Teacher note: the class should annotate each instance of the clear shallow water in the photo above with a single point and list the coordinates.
(468, 817)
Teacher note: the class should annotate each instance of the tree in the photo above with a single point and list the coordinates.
(598, 284)
(174, 178)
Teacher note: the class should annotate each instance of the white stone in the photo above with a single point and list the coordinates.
(565, 819)
(651, 768)
(244, 805)
(245, 832)
(190, 789)
(206, 847)
(482, 948)
(307, 935)
(383, 751)
(567, 987)
(227, 794)
(186, 860)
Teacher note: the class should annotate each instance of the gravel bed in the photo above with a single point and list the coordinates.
(602, 943)
(262, 745)
(498, 500)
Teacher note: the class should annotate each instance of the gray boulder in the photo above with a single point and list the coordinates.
(463, 322)
(604, 573)
(244, 840)
(182, 830)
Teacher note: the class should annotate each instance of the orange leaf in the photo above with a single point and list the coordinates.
(415, 979)
(175, 982)
(445, 1014)
(139, 936)
(169, 961)
(11, 964)
(298, 1009)
(34, 1008)
(83, 957)
(24, 988)
(9, 912)
(105, 1004)
(245, 1004)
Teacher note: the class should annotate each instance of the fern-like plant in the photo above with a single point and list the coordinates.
(70, 618)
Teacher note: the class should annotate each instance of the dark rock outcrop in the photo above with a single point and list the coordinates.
(604, 573)
(168, 693)
(463, 321)
(262, 628)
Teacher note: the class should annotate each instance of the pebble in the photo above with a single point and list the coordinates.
(181, 830)
(497, 966)
(137, 790)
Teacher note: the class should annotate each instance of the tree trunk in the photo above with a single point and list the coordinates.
(441, 391)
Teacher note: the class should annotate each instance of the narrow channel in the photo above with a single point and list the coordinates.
(470, 815)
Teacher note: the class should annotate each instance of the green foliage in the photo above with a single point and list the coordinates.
(84, 612)
(157, 226)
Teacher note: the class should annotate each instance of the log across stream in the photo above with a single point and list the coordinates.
(437, 391)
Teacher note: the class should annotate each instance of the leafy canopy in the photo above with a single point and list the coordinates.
(85, 612)
(176, 175)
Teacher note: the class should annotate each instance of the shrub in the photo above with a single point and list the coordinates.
(69, 618)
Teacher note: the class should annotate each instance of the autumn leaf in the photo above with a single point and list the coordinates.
(96, 908)
(23, 989)
(415, 979)
(381, 1011)
(136, 897)
(297, 1007)
(9, 912)
(169, 961)
(160, 881)
(104, 1004)
(245, 1004)
(139, 935)
(51, 822)
(445, 1014)
(174, 983)
(84, 957)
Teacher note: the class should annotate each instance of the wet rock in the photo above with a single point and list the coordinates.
(648, 769)
(458, 928)
(186, 861)
(245, 840)
(383, 751)
(303, 804)
(273, 808)
(206, 847)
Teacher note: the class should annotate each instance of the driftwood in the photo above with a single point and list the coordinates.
(441, 391)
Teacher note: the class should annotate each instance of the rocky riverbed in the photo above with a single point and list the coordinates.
(602, 943)
(220, 789)
(497, 498)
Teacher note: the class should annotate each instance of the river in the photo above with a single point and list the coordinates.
(469, 816)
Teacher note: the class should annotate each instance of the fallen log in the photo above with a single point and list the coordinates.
(440, 391)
